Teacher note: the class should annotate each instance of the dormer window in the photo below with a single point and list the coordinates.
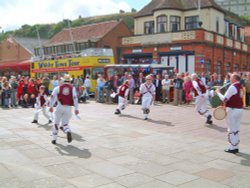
(162, 24)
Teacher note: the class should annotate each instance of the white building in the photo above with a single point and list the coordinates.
(240, 7)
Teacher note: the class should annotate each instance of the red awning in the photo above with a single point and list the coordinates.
(23, 65)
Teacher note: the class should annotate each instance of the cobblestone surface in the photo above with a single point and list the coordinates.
(174, 148)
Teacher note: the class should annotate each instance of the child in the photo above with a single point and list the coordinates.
(41, 103)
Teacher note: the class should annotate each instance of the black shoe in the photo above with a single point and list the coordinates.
(34, 121)
(53, 142)
(61, 129)
(145, 118)
(209, 121)
(232, 151)
(117, 111)
(69, 137)
(49, 122)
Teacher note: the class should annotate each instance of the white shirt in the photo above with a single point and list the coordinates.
(166, 84)
(87, 83)
(54, 97)
(147, 90)
(232, 90)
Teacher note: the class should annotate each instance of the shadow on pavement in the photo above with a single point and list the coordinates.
(70, 150)
(246, 160)
(160, 122)
(45, 126)
(217, 128)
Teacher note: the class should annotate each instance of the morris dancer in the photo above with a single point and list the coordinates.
(123, 92)
(147, 91)
(201, 98)
(41, 105)
(234, 106)
(65, 95)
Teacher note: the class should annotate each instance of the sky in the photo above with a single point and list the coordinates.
(15, 13)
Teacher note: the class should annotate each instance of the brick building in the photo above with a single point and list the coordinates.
(187, 36)
(74, 40)
(16, 54)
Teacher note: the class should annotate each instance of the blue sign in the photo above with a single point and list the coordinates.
(202, 60)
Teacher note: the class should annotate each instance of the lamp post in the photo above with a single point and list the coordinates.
(199, 11)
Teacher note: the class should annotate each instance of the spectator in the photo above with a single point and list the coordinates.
(158, 87)
(6, 94)
(166, 82)
(14, 86)
(248, 90)
(87, 84)
(100, 89)
(187, 87)
(46, 82)
(131, 88)
(108, 89)
(178, 87)
(54, 82)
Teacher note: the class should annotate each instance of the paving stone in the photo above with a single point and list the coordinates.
(215, 174)
(90, 180)
(156, 184)
(177, 177)
(203, 183)
(108, 169)
(67, 170)
(111, 185)
(132, 180)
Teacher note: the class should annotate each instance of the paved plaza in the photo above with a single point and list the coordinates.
(174, 148)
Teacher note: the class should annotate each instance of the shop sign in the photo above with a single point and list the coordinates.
(176, 48)
(138, 50)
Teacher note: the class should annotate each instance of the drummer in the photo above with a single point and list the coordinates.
(200, 93)
(234, 106)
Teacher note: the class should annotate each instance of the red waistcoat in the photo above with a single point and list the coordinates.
(122, 90)
(42, 99)
(236, 101)
(65, 95)
(201, 87)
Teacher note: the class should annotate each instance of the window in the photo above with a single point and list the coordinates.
(207, 66)
(236, 67)
(191, 22)
(226, 28)
(97, 71)
(149, 27)
(175, 23)
(218, 68)
(162, 24)
(228, 68)
(217, 25)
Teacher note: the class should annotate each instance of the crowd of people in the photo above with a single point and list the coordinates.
(177, 89)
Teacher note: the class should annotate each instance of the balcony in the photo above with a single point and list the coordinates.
(184, 36)
(160, 38)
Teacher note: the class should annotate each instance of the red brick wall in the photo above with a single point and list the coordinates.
(113, 38)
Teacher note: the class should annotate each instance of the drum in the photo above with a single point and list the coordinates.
(215, 100)
(220, 113)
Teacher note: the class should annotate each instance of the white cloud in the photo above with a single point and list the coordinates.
(16, 13)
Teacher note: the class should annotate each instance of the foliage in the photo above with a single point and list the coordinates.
(48, 30)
